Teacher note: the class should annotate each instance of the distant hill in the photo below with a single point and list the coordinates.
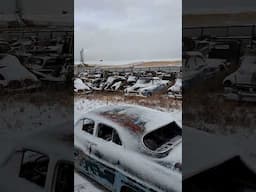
(215, 19)
(143, 64)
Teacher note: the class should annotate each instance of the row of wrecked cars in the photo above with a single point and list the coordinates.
(130, 84)
(210, 57)
(25, 64)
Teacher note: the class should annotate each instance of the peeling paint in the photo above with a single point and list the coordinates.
(131, 121)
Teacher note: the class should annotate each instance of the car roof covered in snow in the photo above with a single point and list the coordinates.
(137, 119)
(10, 65)
(131, 122)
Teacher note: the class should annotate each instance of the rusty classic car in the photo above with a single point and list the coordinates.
(129, 148)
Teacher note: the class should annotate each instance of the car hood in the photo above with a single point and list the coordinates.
(137, 86)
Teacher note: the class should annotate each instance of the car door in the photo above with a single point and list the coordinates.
(90, 160)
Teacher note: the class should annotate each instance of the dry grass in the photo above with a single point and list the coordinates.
(207, 109)
(155, 101)
(44, 96)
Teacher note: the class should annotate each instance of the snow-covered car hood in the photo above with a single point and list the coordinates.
(142, 87)
(9, 65)
(177, 86)
(79, 85)
(137, 87)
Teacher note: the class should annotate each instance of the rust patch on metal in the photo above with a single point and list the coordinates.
(130, 121)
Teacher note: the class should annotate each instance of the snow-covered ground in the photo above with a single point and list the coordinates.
(21, 117)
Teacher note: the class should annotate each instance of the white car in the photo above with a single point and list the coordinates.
(14, 76)
(175, 91)
(128, 148)
(197, 67)
(241, 85)
(41, 161)
(147, 86)
(49, 68)
(114, 83)
(81, 87)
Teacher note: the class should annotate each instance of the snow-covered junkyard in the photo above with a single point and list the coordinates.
(144, 81)
(219, 79)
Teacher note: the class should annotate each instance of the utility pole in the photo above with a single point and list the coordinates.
(82, 56)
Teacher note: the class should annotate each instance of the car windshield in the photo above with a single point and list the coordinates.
(163, 138)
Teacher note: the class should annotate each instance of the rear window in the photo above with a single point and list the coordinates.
(163, 138)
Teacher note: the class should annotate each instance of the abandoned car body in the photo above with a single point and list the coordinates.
(193, 67)
(48, 68)
(41, 161)
(146, 86)
(81, 87)
(175, 91)
(12, 81)
(114, 83)
(241, 85)
(123, 147)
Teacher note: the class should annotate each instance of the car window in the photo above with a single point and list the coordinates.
(34, 167)
(64, 177)
(88, 126)
(109, 134)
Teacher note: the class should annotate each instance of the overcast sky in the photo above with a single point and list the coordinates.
(118, 30)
